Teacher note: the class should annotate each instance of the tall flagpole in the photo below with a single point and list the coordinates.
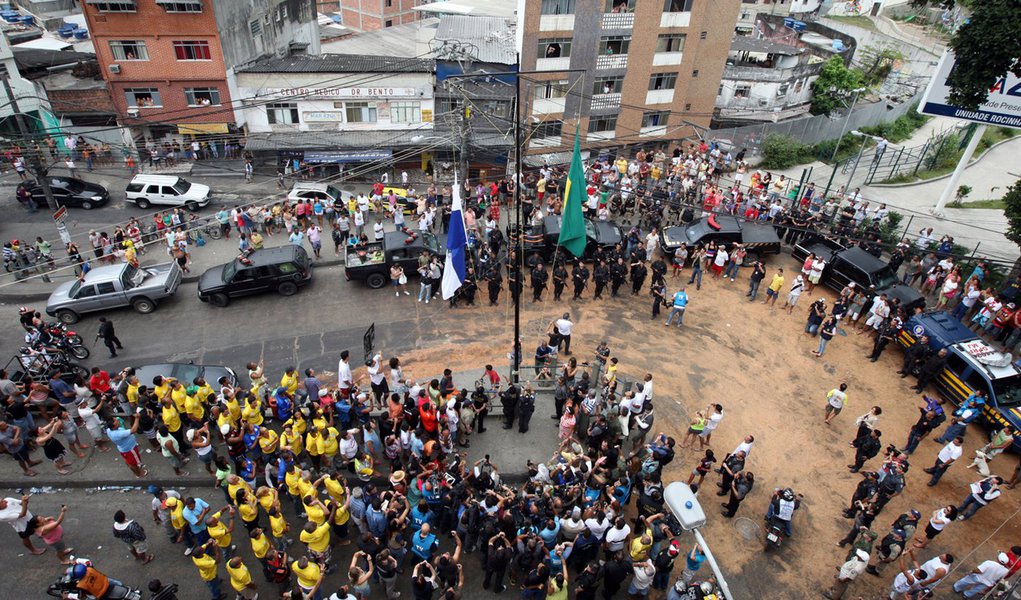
(516, 349)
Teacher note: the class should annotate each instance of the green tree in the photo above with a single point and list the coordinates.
(834, 85)
(1012, 210)
(987, 47)
(877, 63)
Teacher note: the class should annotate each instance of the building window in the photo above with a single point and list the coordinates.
(687, 106)
(202, 96)
(129, 50)
(548, 129)
(181, 6)
(389, 3)
(654, 118)
(677, 5)
(798, 85)
(702, 35)
(782, 90)
(694, 73)
(662, 81)
(388, 23)
(670, 42)
(742, 91)
(282, 113)
(608, 85)
(360, 112)
(554, 48)
(192, 50)
(557, 7)
(620, 6)
(614, 44)
(143, 97)
(123, 6)
(597, 124)
(545, 90)
(405, 112)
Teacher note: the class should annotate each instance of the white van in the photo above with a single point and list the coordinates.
(166, 190)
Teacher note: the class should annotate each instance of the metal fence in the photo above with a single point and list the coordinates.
(811, 130)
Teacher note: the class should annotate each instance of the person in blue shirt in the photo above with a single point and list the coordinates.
(420, 515)
(549, 535)
(195, 512)
(424, 543)
(64, 394)
(968, 411)
(680, 302)
(126, 444)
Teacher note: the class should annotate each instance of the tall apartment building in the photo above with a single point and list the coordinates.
(642, 70)
(169, 64)
(369, 15)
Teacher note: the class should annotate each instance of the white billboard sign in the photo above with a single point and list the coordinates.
(1002, 108)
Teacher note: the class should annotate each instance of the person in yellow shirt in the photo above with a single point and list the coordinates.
(278, 527)
(335, 486)
(289, 381)
(176, 509)
(260, 543)
(204, 391)
(331, 444)
(204, 558)
(291, 478)
(221, 532)
(341, 517)
(268, 442)
(221, 417)
(193, 406)
(241, 579)
(131, 393)
(171, 416)
(297, 424)
(252, 412)
(267, 497)
(233, 408)
(178, 393)
(291, 441)
(248, 509)
(235, 483)
(315, 510)
(310, 576)
(773, 292)
(314, 445)
(316, 537)
(161, 386)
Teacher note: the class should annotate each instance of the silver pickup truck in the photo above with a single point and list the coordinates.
(112, 287)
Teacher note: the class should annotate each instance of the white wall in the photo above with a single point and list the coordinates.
(321, 99)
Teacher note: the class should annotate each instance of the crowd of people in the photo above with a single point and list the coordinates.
(299, 460)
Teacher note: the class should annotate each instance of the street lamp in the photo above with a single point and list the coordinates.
(864, 140)
(684, 505)
(843, 130)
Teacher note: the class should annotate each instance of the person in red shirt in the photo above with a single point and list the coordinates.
(99, 381)
(1013, 561)
(493, 377)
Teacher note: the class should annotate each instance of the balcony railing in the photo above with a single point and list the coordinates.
(602, 101)
(611, 61)
(556, 23)
(553, 64)
(659, 97)
(675, 19)
(660, 59)
(618, 20)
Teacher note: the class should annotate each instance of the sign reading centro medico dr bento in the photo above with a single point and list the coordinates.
(350, 92)
(1002, 108)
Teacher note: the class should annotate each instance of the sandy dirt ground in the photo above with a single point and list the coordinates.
(757, 363)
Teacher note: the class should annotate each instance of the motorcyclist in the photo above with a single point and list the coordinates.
(89, 580)
(782, 507)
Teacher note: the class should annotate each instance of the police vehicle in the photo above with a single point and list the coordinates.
(972, 365)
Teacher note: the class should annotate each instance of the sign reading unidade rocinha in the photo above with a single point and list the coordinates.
(1001, 108)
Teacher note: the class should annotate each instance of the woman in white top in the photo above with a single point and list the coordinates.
(815, 273)
(940, 518)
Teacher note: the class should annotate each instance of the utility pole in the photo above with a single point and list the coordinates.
(33, 156)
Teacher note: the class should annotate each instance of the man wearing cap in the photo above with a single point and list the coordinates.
(848, 572)
(983, 578)
(664, 563)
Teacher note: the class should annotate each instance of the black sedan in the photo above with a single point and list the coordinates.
(70, 192)
(185, 373)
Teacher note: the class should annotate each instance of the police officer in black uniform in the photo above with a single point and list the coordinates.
(601, 275)
(638, 273)
(618, 274)
(659, 270)
(579, 275)
(495, 282)
(559, 280)
(540, 276)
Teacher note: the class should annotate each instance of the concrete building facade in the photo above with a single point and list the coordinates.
(169, 64)
(369, 15)
(627, 72)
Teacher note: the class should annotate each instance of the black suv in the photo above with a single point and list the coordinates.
(281, 269)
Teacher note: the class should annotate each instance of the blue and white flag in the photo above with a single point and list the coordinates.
(457, 239)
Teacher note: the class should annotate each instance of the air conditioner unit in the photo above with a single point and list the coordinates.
(132, 112)
(115, 68)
